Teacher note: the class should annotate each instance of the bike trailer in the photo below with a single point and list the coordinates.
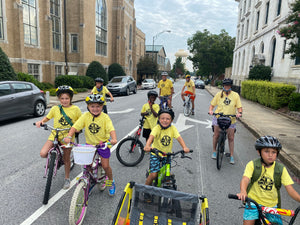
(167, 207)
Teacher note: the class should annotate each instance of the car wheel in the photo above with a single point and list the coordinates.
(127, 91)
(39, 108)
(135, 89)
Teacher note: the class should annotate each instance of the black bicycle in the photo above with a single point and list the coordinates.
(224, 122)
(130, 150)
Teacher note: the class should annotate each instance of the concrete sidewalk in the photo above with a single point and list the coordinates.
(261, 121)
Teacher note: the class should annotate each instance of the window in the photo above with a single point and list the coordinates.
(279, 7)
(1, 21)
(242, 35)
(56, 20)
(130, 37)
(30, 22)
(257, 20)
(74, 42)
(58, 70)
(5, 89)
(262, 48)
(34, 69)
(273, 52)
(245, 3)
(247, 28)
(21, 87)
(267, 12)
(101, 28)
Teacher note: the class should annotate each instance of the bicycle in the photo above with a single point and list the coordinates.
(262, 211)
(93, 174)
(224, 122)
(54, 159)
(130, 150)
(204, 213)
(187, 109)
(164, 102)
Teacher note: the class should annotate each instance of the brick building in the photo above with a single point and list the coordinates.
(48, 38)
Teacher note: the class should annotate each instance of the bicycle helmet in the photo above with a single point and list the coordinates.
(152, 93)
(227, 81)
(95, 98)
(167, 110)
(164, 74)
(99, 79)
(65, 89)
(187, 76)
(267, 142)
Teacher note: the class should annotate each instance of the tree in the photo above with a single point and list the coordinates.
(95, 69)
(260, 72)
(292, 30)
(115, 69)
(211, 53)
(178, 67)
(146, 66)
(6, 70)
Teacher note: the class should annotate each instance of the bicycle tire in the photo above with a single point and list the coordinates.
(220, 150)
(187, 110)
(78, 207)
(49, 177)
(204, 217)
(125, 154)
(101, 173)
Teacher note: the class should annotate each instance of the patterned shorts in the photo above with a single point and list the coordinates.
(155, 163)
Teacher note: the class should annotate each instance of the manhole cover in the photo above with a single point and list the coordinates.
(282, 134)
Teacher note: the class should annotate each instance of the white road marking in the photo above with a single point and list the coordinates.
(123, 111)
(62, 192)
(181, 126)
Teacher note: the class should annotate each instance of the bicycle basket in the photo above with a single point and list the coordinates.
(224, 122)
(84, 154)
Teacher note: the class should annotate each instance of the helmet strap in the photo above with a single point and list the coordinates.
(162, 127)
(263, 162)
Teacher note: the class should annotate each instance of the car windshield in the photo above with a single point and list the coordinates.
(147, 81)
(118, 80)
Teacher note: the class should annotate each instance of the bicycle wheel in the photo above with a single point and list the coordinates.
(78, 207)
(49, 177)
(204, 216)
(101, 183)
(220, 150)
(130, 151)
(187, 110)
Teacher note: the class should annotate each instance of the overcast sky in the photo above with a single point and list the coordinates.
(184, 18)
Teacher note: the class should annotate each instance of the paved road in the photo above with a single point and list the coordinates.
(21, 168)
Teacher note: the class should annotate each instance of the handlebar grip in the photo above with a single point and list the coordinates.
(34, 124)
(232, 196)
(191, 150)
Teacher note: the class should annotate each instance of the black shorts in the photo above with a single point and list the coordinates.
(146, 133)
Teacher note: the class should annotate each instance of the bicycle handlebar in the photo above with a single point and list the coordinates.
(169, 154)
(46, 126)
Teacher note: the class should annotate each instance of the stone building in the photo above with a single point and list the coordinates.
(157, 52)
(48, 38)
(257, 41)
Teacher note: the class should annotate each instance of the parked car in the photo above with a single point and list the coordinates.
(171, 79)
(122, 85)
(199, 84)
(148, 83)
(18, 98)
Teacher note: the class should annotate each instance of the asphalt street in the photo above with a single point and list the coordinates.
(22, 169)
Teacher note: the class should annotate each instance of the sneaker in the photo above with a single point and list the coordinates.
(112, 187)
(67, 184)
(193, 112)
(214, 155)
(183, 104)
(103, 185)
(231, 160)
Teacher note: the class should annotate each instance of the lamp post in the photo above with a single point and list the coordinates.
(155, 37)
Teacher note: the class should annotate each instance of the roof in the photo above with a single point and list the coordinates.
(155, 48)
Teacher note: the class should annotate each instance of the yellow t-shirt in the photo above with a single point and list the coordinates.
(165, 87)
(150, 120)
(227, 104)
(163, 138)
(189, 85)
(96, 128)
(263, 191)
(103, 92)
(72, 112)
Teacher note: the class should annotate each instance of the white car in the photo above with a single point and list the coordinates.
(148, 83)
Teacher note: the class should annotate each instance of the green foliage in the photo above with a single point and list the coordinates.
(6, 70)
(115, 69)
(76, 90)
(211, 53)
(87, 82)
(274, 95)
(52, 91)
(294, 102)
(292, 30)
(95, 69)
(146, 66)
(260, 72)
(73, 81)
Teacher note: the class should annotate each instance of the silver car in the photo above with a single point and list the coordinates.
(122, 85)
(18, 98)
(148, 83)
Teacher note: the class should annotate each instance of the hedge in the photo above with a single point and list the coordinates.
(274, 95)
(294, 103)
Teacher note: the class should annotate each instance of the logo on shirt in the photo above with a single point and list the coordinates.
(162, 85)
(94, 128)
(149, 112)
(166, 140)
(227, 101)
(63, 121)
(266, 183)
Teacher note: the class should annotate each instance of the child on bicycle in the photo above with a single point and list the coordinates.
(98, 128)
(265, 190)
(190, 86)
(162, 137)
(64, 115)
(102, 90)
(150, 111)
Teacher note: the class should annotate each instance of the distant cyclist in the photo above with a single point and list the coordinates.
(166, 89)
(227, 101)
(190, 90)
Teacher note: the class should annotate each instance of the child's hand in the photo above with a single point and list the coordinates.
(147, 148)
(67, 140)
(38, 124)
(186, 149)
(113, 141)
(242, 195)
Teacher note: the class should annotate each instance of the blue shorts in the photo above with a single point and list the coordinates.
(252, 214)
(155, 163)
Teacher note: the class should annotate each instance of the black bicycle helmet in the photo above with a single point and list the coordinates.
(227, 81)
(99, 79)
(267, 142)
(167, 110)
(152, 93)
(65, 89)
(94, 99)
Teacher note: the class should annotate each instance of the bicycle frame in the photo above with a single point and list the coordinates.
(139, 130)
(163, 102)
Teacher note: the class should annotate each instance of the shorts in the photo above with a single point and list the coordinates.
(190, 93)
(146, 133)
(156, 163)
(252, 214)
(215, 123)
(104, 153)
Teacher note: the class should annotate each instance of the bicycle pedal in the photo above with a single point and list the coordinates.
(227, 154)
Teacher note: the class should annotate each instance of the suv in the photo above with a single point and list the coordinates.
(122, 85)
(18, 98)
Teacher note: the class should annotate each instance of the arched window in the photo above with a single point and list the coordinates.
(130, 37)
(101, 28)
(30, 22)
(262, 47)
(243, 62)
(273, 51)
